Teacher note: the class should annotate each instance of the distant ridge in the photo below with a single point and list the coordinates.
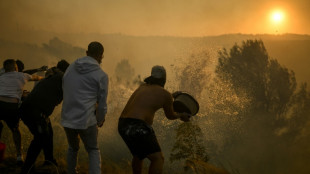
(291, 50)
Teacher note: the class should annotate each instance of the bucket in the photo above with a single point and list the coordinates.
(184, 102)
(2, 149)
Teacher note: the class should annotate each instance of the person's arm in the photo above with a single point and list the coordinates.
(32, 71)
(35, 78)
(29, 77)
(101, 110)
(169, 111)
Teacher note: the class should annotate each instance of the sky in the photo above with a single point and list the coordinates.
(184, 18)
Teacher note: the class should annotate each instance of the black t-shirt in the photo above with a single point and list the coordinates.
(46, 94)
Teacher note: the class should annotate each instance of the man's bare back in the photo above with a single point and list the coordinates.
(146, 100)
(134, 126)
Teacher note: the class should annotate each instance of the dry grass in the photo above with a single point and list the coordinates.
(9, 166)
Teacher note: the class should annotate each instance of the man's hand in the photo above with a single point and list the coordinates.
(176, 93)
(43, 68)
(99, 124)
(185, 117)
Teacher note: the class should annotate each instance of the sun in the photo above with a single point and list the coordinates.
(277, 16)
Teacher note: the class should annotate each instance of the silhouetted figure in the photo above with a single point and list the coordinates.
(135, 121)
(35, 112)
(62, 65)
(11, 89)
(84, 106)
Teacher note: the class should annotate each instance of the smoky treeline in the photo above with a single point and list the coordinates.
(34, 56)
(254, 111)
(255, 116)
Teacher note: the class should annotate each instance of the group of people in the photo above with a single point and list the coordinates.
(32, 108)
(82, 87)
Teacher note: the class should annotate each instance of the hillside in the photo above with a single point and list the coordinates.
(291, 50)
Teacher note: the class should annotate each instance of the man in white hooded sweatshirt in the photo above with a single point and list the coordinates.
(85, 89)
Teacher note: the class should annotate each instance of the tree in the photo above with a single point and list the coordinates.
(189, 143)
(124, 72)
(281, 85)
(193, 77)
(300, 111)
(277, 114)
(248, 68)
(245, 68)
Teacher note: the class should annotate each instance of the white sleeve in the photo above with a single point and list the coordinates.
(27, 77)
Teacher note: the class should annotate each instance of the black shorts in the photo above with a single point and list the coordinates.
(10, 114)
(138, 136)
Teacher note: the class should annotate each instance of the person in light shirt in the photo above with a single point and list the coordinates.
(11, 89)
(85, 89)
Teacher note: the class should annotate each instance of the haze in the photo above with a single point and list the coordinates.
(160, 18)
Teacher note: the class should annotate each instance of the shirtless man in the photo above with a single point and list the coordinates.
(137, 117)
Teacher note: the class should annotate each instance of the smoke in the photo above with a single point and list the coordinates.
(231, 140)
(145, 18)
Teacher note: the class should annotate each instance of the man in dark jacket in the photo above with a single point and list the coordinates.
(35, 112)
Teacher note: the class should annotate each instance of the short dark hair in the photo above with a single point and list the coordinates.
(155, 81)
(20, 65)
(95, 49)
(9, 65)
(62, 65)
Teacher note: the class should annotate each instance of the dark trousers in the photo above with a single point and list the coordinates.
(9, 113)
(41, 129)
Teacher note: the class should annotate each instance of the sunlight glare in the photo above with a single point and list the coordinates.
(277, 16)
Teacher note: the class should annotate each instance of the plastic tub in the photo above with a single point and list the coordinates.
(183, 102)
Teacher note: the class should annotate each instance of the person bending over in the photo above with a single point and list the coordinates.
(135, 122)
(35, 112)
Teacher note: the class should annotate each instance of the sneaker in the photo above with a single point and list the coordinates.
(20, 160)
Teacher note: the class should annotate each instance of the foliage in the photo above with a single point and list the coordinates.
(277, 115)
(189, 143)
(281, 85)
(124, 72)
(249, 68)
(189, 137)
(300, 112)
(245, 67)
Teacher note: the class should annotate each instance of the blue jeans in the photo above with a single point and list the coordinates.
(89, 138)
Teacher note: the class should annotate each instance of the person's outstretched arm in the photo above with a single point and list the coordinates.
(32, 71)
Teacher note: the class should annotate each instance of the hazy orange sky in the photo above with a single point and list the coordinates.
(155, 17)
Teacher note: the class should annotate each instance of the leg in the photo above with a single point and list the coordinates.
(72, 155)
(11, 117)
(34, 124)
(48, 147)
(32, 153)
(17, 141)
(136, 165)
(157, 163)
(89, 138)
